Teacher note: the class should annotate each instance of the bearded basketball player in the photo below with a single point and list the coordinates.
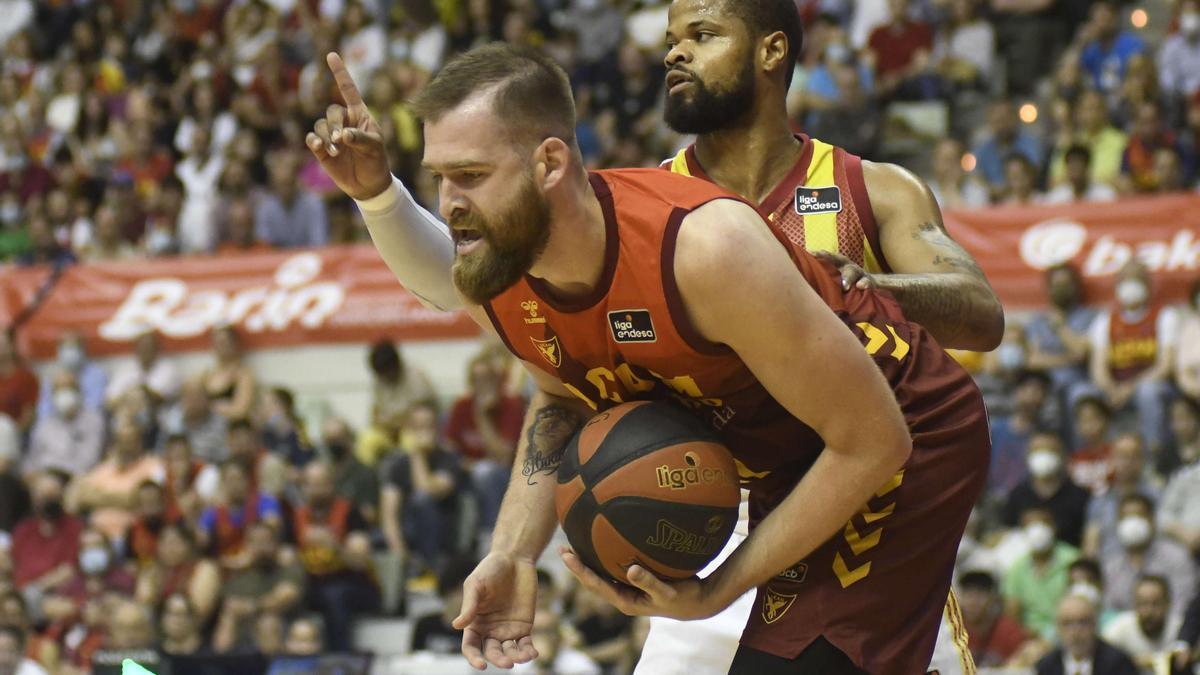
(825, 446)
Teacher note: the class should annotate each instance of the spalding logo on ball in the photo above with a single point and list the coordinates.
(647, 483)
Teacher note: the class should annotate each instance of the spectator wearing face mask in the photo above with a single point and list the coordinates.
(1179, 57)
(352, 479)
(1034, 583)
(1147, 632)
(97, 575)
(91, 378)
(1133, 347)
(1049, 487)
(71, 437)
(1128, 476)
(1012, 433)
(1144, 552)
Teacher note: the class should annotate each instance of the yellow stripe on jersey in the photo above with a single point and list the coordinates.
(679, 164)
(869, 262)
(820, 229)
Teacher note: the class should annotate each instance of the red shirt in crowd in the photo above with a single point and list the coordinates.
(18, 392)
(895, 46)
(35, 553)
(992, 648)
(508, 415)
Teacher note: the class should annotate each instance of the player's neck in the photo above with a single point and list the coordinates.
(751, 159)
(573, 262)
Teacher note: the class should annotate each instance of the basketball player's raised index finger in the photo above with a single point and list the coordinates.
(345, 83)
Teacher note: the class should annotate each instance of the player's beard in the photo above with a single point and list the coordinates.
(705, 109)
(514, 238)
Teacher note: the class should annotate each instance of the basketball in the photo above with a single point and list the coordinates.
(647, 483)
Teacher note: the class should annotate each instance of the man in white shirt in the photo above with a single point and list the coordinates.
(148, 369)
(1147, 633)
(1132, 349)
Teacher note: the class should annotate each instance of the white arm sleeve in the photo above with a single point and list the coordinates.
(415, 245)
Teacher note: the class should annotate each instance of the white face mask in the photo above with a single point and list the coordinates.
(1189, 23)
(1040, 536)
(71, 356)
(1132, 292)
(1085, 590)
(1044, 463)
(66, 401)
(1134, 531)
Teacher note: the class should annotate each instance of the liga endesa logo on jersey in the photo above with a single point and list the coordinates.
(814, 200)
(632, 325)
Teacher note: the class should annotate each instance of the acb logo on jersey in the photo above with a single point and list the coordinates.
(814, 200)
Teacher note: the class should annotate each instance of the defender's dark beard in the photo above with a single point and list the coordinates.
(706, 109)
(514, 240)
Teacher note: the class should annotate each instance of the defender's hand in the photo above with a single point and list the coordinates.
(647, 595)
(497, 612)
(348, 142)
(853, 276)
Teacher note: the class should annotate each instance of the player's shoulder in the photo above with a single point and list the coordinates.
(720, 237)
(662, 187)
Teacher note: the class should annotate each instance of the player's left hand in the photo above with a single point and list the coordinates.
(853, 276)
(646, 594)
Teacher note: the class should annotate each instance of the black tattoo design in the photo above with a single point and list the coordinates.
(552, 429)
(935, 235)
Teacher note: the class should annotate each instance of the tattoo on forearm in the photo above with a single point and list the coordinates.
(547, 438)
(933, 234)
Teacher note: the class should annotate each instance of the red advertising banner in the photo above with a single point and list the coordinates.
(278, 299)
(1014, 245)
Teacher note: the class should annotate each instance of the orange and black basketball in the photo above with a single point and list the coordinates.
(647, 483)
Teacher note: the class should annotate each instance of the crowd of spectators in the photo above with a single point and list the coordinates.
(198, 514)
(159, 127)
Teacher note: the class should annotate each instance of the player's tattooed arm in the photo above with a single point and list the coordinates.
(938, 284)
(547, 439)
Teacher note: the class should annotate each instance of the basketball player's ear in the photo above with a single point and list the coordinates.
(774, 50)
(551, 161)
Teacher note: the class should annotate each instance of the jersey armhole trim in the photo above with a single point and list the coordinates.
(866, 214)
(499, 329)
(679, 317)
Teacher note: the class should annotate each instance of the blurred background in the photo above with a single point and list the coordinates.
(229, 442)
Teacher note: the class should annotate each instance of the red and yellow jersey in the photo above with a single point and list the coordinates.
(631, 339)
(1132, 347)
(821, 205)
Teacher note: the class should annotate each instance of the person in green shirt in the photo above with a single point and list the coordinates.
(1092, 129)
(1036, 582)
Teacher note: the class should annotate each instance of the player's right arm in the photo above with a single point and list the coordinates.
(415, 245)
(500, 595)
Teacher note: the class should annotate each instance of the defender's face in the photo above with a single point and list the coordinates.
(498, 217)
(710, 66)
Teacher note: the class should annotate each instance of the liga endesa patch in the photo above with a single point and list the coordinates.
(632, 325)
(814, 200)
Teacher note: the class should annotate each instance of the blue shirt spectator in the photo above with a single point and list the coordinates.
(90, 377)
(1179, 58)
(1107, 55)
(1006, 138)
(288, 217)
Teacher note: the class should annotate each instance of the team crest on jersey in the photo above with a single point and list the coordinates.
(814, 200)
(550, 350)
(632, 325)
(776, 604)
